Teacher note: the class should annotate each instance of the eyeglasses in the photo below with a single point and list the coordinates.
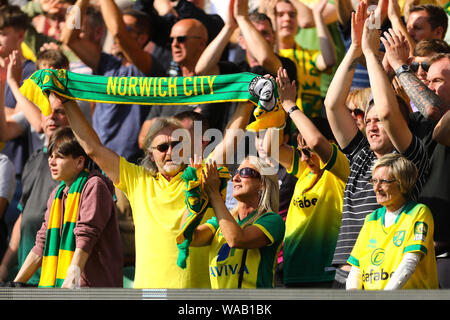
(357, 112)
(182, 39)
(305, 151)
(247, 173)
(415, 66)
(163, 147)
(373, 181)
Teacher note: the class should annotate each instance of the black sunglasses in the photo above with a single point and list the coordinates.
(357, 112)
(415, 66)
(163, 147)
(247, 173)
(182, 39)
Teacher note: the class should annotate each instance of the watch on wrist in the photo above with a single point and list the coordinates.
(292, 109)
(403, 68)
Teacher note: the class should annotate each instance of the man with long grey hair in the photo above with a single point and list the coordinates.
(156, 192)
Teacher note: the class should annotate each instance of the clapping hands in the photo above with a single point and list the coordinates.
(287, 89)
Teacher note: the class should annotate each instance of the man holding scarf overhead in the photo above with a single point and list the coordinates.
(156, 189)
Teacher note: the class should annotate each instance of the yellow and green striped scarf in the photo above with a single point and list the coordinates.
(60, 243)
(197, 202)
(237, 87)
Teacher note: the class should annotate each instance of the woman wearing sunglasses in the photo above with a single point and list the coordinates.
(314, 215)
(245, 241)
(395, 248)
(357, 101)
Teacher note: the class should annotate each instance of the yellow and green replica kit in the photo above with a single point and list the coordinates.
(259, 267)
(158, 206)
(313, 219)
(309, 98)
(379, 249)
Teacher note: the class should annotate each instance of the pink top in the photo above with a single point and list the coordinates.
(96, 232)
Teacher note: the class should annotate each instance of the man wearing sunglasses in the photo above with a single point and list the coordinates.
(427, 106)
(188, 38)
(423, 121)
(423, 51)
(156, 192)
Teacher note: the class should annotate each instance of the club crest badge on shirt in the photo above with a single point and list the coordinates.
(420, 231)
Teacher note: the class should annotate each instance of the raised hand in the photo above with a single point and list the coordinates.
(287, 89)
(397, 48)
(240, 8)
(382, 11)
(230, 19)
(358, 19)
(196, 162)
(50, 6)
(394, 9)
(14, 69)
(371, 36)
(210, 176)
(319, 7)
(3, 69)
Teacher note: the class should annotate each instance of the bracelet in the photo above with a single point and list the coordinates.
(292, 109)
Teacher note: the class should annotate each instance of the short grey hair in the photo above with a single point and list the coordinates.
(403, 170)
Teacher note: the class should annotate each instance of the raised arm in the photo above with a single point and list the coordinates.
(341, 121)
(305, 17)
(88, 51)
(9, 129)
(13, 78)
(394, 15)
(327, 58)
(105, 158)
(384, 97)
(208, 62)
(256, 44)
(233, 133)
(424, 99)
(314, 139)
(131, 47)
(344, 9)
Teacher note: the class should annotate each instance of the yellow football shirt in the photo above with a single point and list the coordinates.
(313, 219)
(309, 98)
(379, 250)
(259, 266)
(158, 206)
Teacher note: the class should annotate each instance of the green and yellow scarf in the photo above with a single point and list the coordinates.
(168, 91)
(197, 202)
(60, 240)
